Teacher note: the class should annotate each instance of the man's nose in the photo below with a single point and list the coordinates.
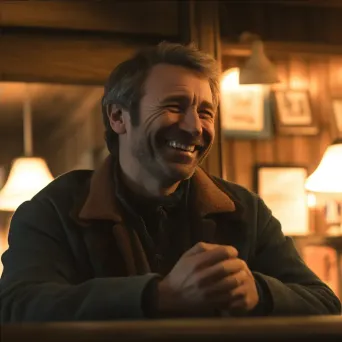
(191, 123)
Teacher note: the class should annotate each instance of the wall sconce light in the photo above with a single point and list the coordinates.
(258, 69)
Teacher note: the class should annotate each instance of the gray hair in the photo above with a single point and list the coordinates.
(125, 84)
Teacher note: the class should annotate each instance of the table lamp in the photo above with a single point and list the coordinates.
(326, 181)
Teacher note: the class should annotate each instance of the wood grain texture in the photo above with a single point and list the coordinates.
(321, 77)
(143, 17)
(200, 24)
(316, 76)
(58, 59)
(285, 21)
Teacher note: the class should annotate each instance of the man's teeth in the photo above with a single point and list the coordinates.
(175, 144)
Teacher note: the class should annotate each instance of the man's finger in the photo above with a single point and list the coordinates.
(200, 247)
(225, 284)
(220, 270)
(204, 246)
(211, 257)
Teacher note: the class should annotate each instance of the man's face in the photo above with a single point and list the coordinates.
(176, 124)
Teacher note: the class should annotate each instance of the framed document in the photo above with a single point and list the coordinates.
(294, 113)
(282, 189)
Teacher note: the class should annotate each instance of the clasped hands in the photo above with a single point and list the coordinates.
(208, 277)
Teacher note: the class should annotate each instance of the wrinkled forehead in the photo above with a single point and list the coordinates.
(164, 80)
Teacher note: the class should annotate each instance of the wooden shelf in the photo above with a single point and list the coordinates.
(334, 241)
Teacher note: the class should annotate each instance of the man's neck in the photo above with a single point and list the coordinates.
(148, 188)
(146, 185)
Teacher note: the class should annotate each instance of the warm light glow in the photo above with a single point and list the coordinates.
(312, 202)
(27, 177)
(230, 81)
(326, 180)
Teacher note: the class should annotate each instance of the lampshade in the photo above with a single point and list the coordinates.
(27, 177)
(258, 68)
(326, 180)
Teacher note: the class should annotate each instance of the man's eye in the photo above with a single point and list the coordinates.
(174, 108)
(206, 113)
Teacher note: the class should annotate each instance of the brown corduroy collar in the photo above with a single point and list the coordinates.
(101, 203)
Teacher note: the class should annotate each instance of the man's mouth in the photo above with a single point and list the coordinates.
(183, 147)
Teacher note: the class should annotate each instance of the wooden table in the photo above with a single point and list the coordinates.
(324, 328)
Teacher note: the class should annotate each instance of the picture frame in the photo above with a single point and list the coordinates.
(246, 113)
(293, 113)
(282, 189)
(337, 116)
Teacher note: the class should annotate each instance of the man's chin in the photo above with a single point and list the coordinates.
(180, 172)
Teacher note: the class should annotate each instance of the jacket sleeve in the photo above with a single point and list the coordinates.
(288, 286)
(38, 281)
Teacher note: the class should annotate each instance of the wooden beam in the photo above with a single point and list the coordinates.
(143, 17)
(199, 23)
(282, 49)
(72, 60)
(299, 3)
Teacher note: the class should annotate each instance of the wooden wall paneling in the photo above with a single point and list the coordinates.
(316, 68)
(244, 162)
(332, 26)
(58, 59)
(335, 75)
(295, 23)
(324, 108)
(287, 22)
(283, 149)
(278, 142)
(298, 73)
(283, 49)
(228, 155)
(335, 90)
(317, 32)
(143, 17)
(274, 22)
(282, 144)
(319, 88)
(299, 80)
(263, 150)
(199, 23)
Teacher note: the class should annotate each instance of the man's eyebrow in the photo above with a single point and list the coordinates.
(185, 99)
(207, 104)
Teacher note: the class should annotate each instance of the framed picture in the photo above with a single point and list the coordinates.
(245, 112)
(294, 114)
(282, 189)
(337, 116)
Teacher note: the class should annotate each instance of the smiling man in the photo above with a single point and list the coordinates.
(149, 234)
(172, 130)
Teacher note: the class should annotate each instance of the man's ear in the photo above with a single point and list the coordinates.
(115, 117)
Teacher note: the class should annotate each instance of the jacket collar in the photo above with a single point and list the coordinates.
(102, 204)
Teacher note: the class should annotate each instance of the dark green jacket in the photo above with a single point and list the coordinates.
(71, 256)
